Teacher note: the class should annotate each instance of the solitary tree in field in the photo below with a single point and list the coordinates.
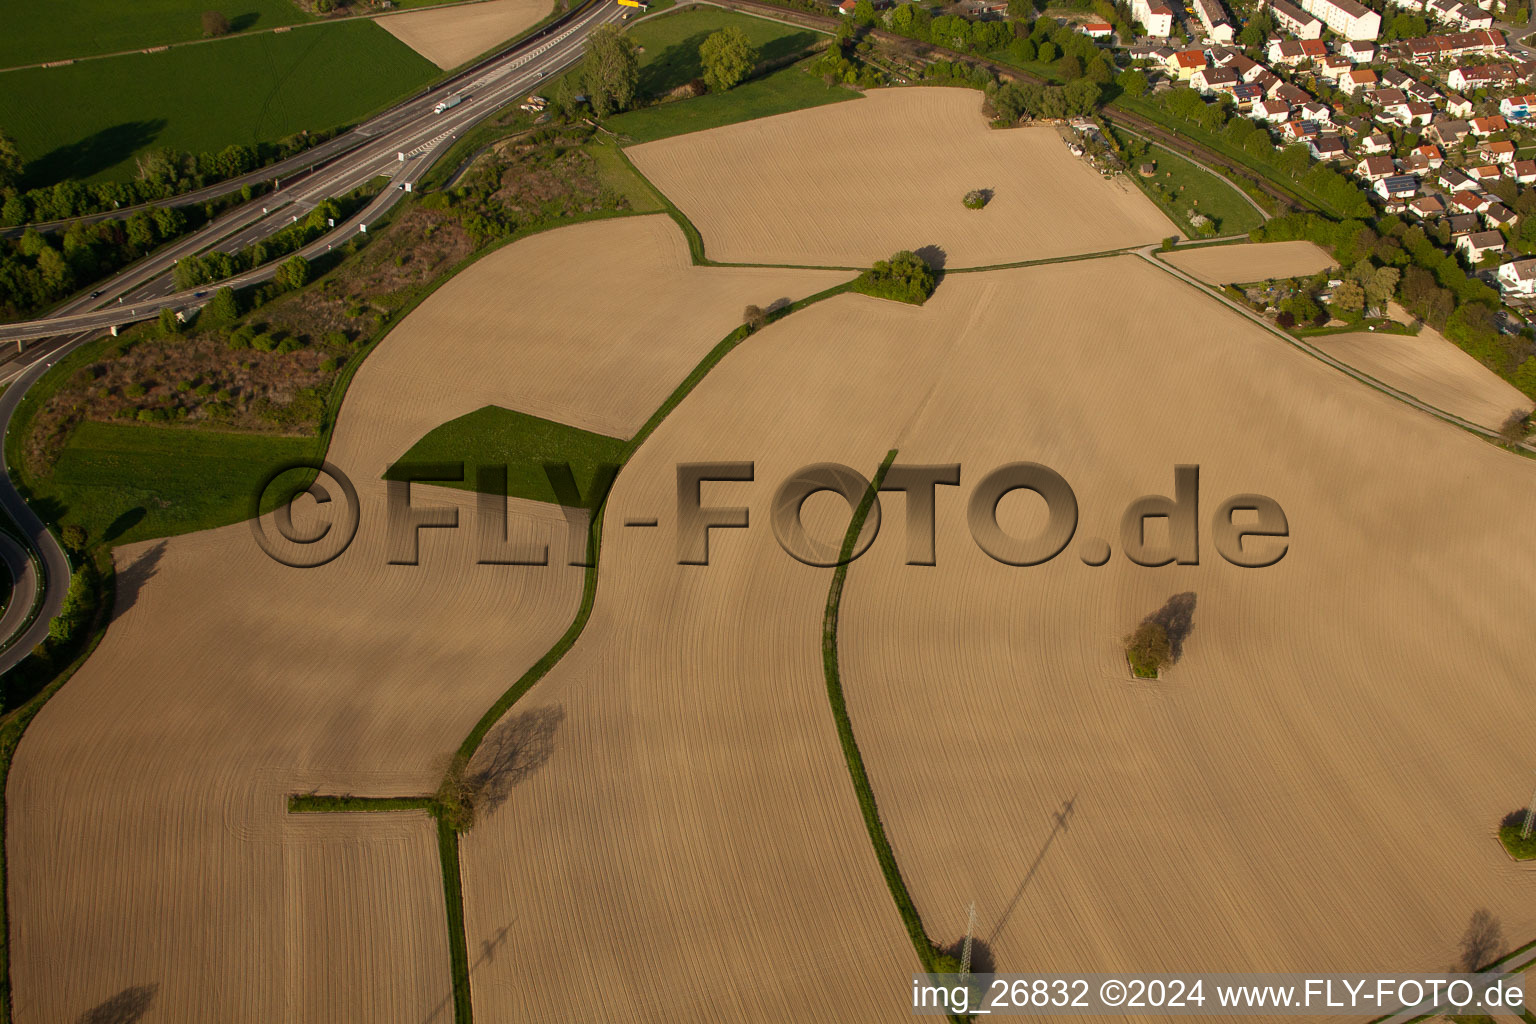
(754, 317)
(10, 162)
(613, 70)
(728, 57)
(215, 24)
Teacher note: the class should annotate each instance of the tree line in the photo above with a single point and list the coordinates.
(161, 174)
(37, 270)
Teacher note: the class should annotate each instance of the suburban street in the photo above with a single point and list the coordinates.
(141, 290)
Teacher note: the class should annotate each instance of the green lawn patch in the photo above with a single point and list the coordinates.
(1509, 835)
(790, 88)
(619, 174)
(494, 436)
(671, 44)
(89, 119)
(61, 29)
(1193, 187)
(125, 483)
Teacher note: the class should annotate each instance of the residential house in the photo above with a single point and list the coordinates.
(1416, 113)
(1458, 106)
(1482, 76)
(1448, 133)
(1466, 201)
(1295, 20)
(1523, 171)
(1517, 108)
(1185, 63)
(1484, 173)
(1431, 154)
(1462, 224)
(1498, 152)
(1417, 163)
(1359, 50)
(1271, 111)
(1376, 168)
(1300, 131)
(1500, 216)
(1398, 188)
(1292, 52)
(1488, 125)
(1334, 67)
(1214, 80)
(1357, 80)
(1387, 98)
(1218, 26)
(1246, 95)
(1291, 94)
(1426, 207)
(1518, 278)
(1328, 147)
(1453, 180)
(1098, 30)
(1268, 82)
(1480, 244)
(1377, 143)
(1319, 112)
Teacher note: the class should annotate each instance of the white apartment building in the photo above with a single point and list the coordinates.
(1347, 18)
(1295, 20)
(1155, 17)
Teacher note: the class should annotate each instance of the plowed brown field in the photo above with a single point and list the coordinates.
(148, 839)
(1431, 368)
(850, 183)
(449, 36)
(1250, 261)
(693, 845)
(1318, 780)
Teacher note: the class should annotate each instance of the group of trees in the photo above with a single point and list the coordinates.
(161, 174)
(1014, 100)
(905, 277)
(612, 74)
(213, 265)
(37, 270)
(727, 57)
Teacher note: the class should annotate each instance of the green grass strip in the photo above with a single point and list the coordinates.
(453, 898)
(861, 787)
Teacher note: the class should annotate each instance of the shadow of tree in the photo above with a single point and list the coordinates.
(679, 63)
(131, 578)
(1177, 617)
(514, 750)
(92, 154)
(123, 523)
(127, 1007)
(934, 256)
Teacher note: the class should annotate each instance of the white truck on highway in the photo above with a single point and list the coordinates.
(448, 104)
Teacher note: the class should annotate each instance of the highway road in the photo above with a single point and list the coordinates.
(412, 129)
(320, 154)
(141, 290)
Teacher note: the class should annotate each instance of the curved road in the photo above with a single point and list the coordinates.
(143, 289)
